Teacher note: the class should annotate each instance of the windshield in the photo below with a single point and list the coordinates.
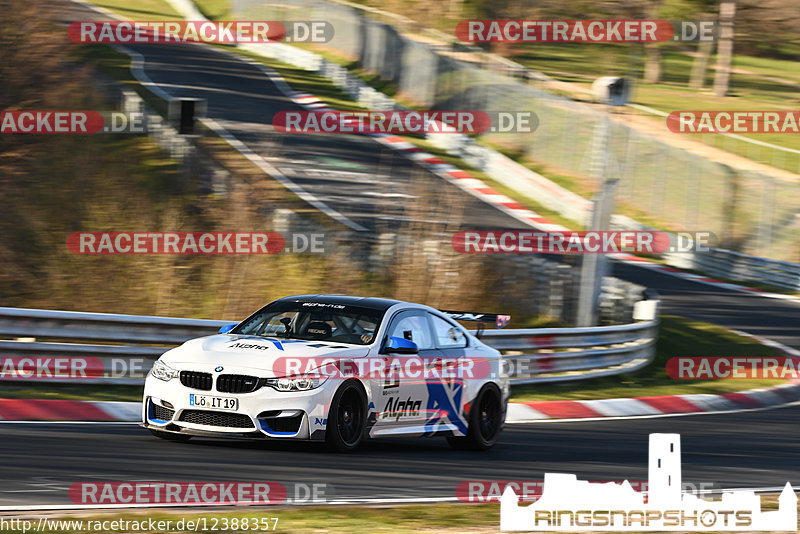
(316, 321)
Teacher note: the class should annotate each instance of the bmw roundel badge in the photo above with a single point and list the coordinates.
(219, 368)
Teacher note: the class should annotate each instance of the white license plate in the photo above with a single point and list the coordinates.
(214, 403)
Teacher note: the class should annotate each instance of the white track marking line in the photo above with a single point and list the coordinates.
(719, 412)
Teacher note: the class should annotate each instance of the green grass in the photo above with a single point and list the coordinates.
(760, 90)
(214, 9)
(677, 336)
(449, 518)
(116, 65)
(372, 79)
(345, 519)
(304, 80)
(141, 9)
(51, 390)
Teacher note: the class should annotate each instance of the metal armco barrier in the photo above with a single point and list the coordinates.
(737, 266)
(562, 354)
(125, 346)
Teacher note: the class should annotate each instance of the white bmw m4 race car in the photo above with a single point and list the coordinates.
(333, 368)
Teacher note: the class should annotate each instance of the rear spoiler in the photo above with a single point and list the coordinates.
(499, 320)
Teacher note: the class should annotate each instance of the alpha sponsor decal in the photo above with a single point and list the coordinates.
(395, 409)
(248, 346)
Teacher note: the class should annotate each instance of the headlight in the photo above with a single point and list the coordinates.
(295, 384)
(162, 371)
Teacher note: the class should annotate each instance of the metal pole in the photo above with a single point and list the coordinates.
(595, 266)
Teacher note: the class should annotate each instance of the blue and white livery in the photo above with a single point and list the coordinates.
(337, 369)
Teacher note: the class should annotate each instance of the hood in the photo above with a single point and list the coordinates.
(252, 354)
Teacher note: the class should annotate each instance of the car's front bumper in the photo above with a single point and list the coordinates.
(264, 413)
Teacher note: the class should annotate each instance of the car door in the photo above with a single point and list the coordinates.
(447, 388)
(401, 395)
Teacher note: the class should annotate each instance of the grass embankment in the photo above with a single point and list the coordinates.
(345, 519)
(444, 518)
(141, 9)
(757, 83)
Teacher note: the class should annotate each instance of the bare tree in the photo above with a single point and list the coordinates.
(652, 51)
(727, 12)
(700, 64)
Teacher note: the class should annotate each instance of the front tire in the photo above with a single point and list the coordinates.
(485, 422)
(169, 436)
(347, 418)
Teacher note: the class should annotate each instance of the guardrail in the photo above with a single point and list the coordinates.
(737, 266)
(120, 349)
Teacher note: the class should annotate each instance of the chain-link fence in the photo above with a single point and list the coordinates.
(750, 210)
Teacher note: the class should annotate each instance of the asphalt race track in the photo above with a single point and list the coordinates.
(778, 320)
(750, 449)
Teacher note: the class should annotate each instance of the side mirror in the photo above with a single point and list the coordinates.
(224, 329)
(399, 345)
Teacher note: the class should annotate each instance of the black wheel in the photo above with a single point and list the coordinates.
(347, 418)
(169, 436)
(485, 422)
